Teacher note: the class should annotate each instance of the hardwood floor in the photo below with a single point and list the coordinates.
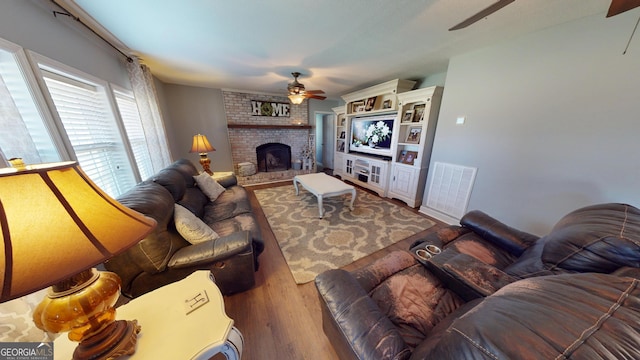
(279, 319)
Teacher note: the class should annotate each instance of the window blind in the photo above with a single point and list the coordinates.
(135, 133)
(92, 132)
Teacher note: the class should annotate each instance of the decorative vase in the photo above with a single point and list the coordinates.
(372, 144)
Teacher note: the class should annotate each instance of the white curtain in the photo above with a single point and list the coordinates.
(147, 101)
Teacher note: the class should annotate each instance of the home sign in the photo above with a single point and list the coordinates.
(275, 109)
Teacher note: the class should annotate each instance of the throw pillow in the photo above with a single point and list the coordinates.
(209, 186)
(191, 227)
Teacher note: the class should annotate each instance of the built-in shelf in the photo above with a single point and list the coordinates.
(260, 126)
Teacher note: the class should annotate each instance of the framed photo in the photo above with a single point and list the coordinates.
(341, 147)
(342, 135)
(342, 120)
(403, 156)
(357, 106)
(413, 136)
(408, 115)
(410, 158)
(386, 104)
(371, 102)
(418, 114)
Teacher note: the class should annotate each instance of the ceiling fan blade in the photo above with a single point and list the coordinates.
(311, 96)
(482, 14)
(620, 6)
(314, 91)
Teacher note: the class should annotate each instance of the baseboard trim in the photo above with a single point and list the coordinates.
(439, 216)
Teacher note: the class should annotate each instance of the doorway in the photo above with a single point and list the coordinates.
(324, 122)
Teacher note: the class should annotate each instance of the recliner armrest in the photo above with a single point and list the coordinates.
(353, 322)
(490, 229)
(467, 276)
(211, 251)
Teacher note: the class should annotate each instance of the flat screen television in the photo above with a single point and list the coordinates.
(372, 135)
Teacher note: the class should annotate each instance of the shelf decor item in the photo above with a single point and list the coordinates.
(413, 136)
(410, 158)
(371, 102)
(408, 116)
(418, 112)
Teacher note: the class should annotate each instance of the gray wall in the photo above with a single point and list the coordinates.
(553, 121)
(191, 110)
(32, 25)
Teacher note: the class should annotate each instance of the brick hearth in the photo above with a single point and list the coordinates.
(246, 132)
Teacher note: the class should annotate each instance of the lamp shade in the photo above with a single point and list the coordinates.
(201, 144)
(54, 223)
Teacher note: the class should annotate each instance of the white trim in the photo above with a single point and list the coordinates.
(438, 215)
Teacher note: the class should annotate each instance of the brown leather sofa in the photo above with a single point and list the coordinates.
(493, 292)
(164, 256)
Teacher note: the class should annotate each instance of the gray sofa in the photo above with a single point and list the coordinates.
(165, 256)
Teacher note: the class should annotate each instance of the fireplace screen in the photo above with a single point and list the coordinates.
(273, 157)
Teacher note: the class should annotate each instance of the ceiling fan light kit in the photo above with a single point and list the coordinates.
(297, 91)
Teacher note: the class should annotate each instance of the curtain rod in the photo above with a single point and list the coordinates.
(67, 13)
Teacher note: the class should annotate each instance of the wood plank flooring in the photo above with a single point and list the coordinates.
(279, 319)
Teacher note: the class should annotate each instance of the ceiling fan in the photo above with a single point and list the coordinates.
(297, 92)
(617, 7)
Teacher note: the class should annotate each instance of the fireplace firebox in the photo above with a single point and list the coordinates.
(273, 157)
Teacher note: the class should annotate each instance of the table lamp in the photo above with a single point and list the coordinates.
(201, 145)
(55, 225)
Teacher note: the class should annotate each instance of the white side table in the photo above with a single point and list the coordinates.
(183, 320)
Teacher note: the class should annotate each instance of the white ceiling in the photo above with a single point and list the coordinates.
(338, 45)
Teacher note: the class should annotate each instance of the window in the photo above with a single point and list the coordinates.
(51, 112)
(25, 133)
(135, 133)
(90, 126)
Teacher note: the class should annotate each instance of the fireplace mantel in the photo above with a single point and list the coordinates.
(262, 126)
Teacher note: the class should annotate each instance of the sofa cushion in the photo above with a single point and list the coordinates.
(599, 238)
(173, 181)
(232, 202)
(191, 227)
(186, 169)
(194, 200)
(577, 316)
(209, 186)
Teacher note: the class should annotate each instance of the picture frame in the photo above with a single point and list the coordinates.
(410, 157)
(413, 135)
(402, 157)
(387, 104)
(357, 106)
(418, 114)
(342, 120)
(370, 104)
(408, 116)
(342, 134)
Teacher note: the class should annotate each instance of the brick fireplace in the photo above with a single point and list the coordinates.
(248, 132)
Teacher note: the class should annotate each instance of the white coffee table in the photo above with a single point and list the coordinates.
(322, 186)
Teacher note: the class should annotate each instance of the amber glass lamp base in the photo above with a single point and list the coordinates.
(206, 163)
(83, 305)
(117, 339)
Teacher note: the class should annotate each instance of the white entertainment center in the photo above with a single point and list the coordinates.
(383, 138)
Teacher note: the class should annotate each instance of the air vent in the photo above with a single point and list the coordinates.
(449, 191)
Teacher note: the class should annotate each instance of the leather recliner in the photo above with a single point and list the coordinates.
(496, 292)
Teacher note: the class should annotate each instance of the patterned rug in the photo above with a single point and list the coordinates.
(312, 245)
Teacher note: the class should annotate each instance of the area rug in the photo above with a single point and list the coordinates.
(312, 245)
